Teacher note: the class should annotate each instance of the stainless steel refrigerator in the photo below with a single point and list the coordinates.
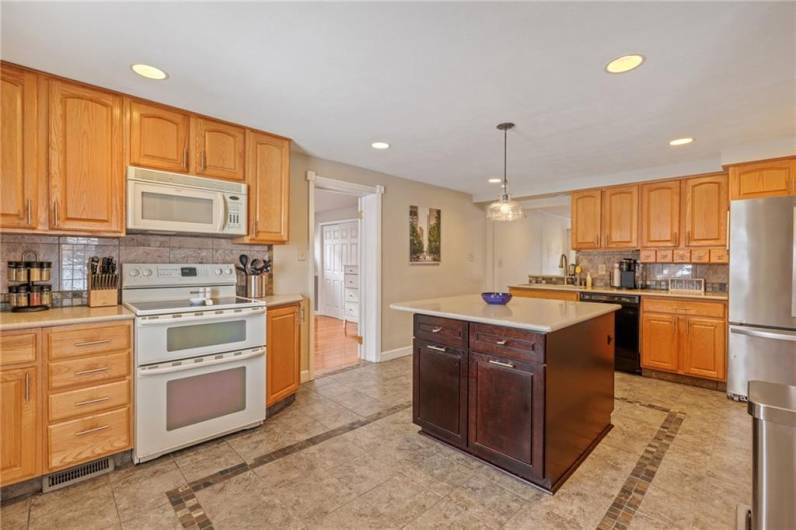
(762, 293)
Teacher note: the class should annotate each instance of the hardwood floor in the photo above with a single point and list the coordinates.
(335, 344)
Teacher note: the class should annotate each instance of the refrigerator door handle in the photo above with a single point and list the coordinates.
(764, 333)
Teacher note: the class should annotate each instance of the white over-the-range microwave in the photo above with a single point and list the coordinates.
(168, 203)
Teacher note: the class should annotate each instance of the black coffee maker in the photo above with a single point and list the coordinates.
(627, 273)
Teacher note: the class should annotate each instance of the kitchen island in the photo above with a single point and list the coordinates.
(527, 387)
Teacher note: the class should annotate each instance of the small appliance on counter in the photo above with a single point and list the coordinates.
(627, 274)
(30, 293)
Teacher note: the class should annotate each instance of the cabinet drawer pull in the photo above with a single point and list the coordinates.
(89, 431)
(436, 330)
(436, 348)
(501, 363)
(93, 371)
(502, 342)
(92, 401)
(92, 342)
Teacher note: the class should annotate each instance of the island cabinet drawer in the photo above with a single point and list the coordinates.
(90, 400)
(75, 341)
(84, 439)
(88, 370)
(512, 343)
(438, 330)
(684, 307)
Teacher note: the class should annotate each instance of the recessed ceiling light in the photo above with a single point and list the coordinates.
(681, 141)
(150, 72)
(380, 145)
(495, 181)
(624, 64)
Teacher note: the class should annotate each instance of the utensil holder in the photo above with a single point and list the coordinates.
(256, 285)
(102, 290)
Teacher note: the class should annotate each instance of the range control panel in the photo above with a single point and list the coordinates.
(177, 274)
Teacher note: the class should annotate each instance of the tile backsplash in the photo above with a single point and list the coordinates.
(69, 255)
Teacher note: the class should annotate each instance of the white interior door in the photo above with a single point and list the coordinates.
(339, 247)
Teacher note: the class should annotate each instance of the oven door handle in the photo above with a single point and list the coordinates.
(194, 365)
(226, 315)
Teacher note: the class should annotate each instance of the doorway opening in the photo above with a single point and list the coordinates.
(345, 288)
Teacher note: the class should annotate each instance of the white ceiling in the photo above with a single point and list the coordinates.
(434, 79)
(331, 200)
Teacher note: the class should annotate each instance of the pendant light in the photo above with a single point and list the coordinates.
(504, 209)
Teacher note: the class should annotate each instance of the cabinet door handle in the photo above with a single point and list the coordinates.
(93, 371)
(676, 239)
(92, 401)
(92, 342)
(436, 348)
(89, 431)
(185, 155)
(204, 160)
(502, 342)
(29, 212)
(56, 216)
(688, 237)
(27, 386)
(727, 235)
(501, 363)
(436, 330)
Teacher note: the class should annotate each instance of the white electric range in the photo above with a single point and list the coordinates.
(199, 355)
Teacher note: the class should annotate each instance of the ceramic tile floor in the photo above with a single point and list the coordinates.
(346, 455)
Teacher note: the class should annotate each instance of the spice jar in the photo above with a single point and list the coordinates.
(35, 295)
(12, 270)
(22, 296)
(46, 268)
(12, 295)
(34, 272)
(46, 295)
(21, 274)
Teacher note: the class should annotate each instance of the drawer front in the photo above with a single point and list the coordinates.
(89, 400)
(719, 255)
(441, 330)
(84, 439)
(681, 255)
(352, 310)
(351, 269)
(351, 295)
(684, 307)
(647, 256)
(351, 281)
(73, 341)
(19, 347)
(664, 256)
(88, 371)
(700, 255)
(518, 344)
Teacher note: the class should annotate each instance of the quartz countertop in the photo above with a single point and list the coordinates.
(62, 316)
(280, 299)
(535, 314)
(614, 290)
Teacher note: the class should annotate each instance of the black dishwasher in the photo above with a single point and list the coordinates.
(626, 351)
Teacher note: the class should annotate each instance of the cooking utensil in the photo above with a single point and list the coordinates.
(257, 266)
(244, 261)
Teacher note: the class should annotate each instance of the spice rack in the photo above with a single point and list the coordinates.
(29, 292)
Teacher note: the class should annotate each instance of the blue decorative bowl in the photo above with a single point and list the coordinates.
(496, 298)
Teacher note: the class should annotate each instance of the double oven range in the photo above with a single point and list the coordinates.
(199, 355)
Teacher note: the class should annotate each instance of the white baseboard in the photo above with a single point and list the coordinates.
(305, 376)
(394, 354)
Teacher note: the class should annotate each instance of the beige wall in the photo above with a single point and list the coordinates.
(463, 236)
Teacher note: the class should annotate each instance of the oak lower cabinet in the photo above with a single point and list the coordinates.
(532, 404)
(506, 405)
(440, 391)
(20, 424)
(684, 337)
(283, 371)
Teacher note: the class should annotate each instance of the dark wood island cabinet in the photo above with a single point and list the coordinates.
(531, 403)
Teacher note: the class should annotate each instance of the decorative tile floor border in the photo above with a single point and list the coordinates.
(183, 499)
(632, 492)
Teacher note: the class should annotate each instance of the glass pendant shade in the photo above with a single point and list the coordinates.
(505, 209)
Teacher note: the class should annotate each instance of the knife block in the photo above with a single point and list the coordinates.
(105, 297)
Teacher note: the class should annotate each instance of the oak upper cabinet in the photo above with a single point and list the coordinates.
(660, 214)
(706, 207)
(268, 177)
(586, 219)
(704, 347)
(659, 347)
(283, 336)
(769, 178)
(218, 149)
(18, 149)
(620, 217)
(158, 137)
(86, 166)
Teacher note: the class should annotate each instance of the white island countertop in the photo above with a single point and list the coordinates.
(535, 314)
